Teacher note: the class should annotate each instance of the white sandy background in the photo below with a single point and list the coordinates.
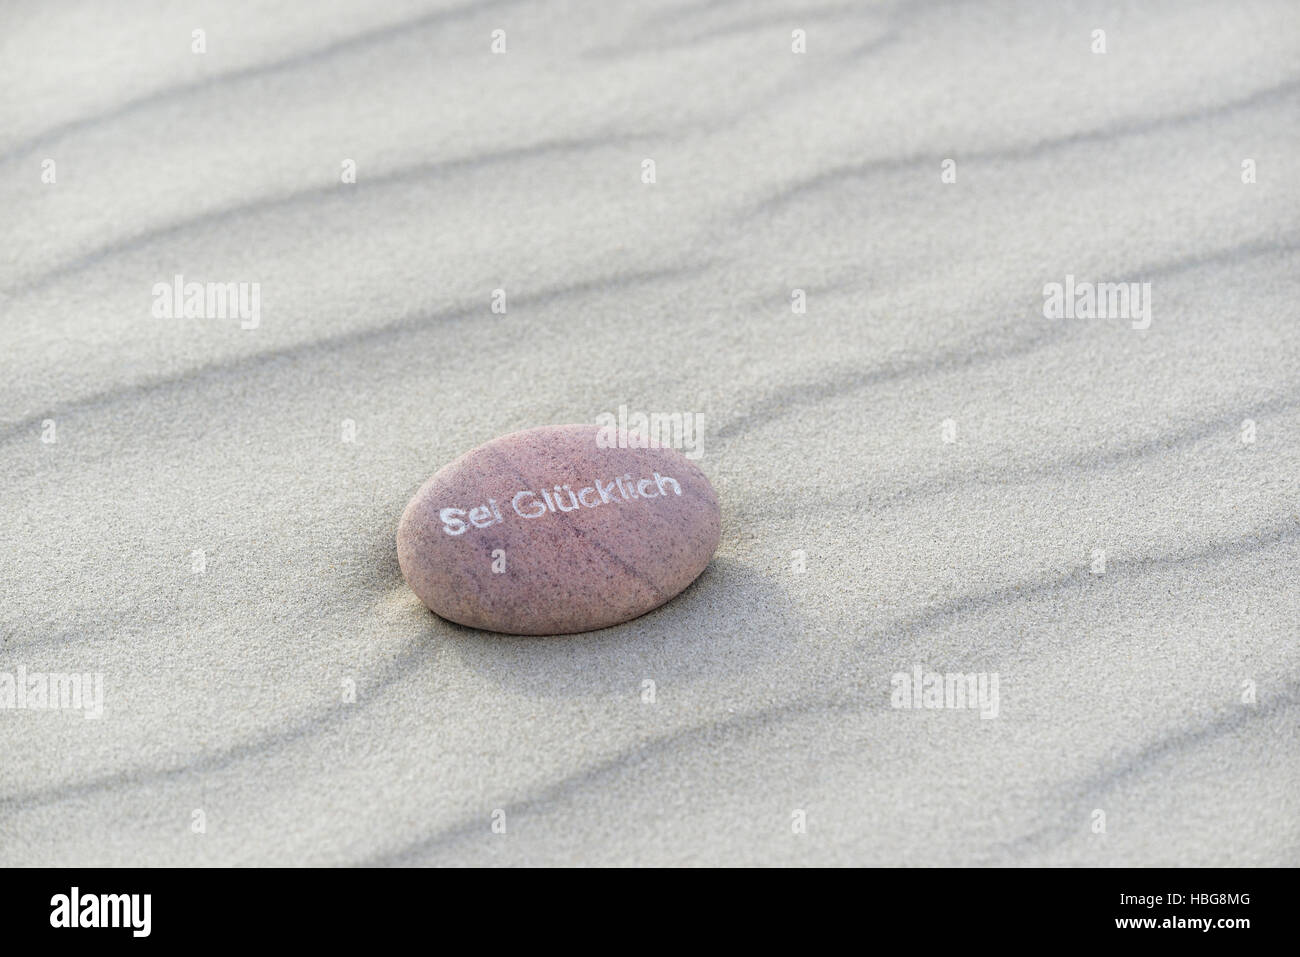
(225, 691)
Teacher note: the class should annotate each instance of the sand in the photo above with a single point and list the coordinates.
(921, 470)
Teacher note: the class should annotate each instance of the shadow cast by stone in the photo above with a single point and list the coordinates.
(697, 636)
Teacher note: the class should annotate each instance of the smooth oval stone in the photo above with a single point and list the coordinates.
(543, 532)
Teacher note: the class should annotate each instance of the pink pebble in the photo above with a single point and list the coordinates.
(545, 532)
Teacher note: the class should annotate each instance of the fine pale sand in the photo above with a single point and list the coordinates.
(1071, 505)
